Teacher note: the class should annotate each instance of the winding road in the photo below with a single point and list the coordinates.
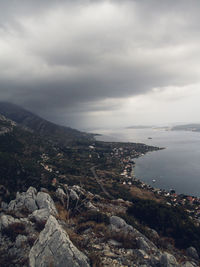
(99, 182)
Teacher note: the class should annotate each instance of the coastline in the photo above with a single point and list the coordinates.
(127, 178)
(190, 203)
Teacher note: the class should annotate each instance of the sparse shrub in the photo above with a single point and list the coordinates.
(39, 225)
(63, 214)
(120, 191)
(31, 240)
(95, 216)
(76, 239)
(15, 229)
(95, 259)
(165, 242)
(84, 226)
(126, 239)
(172, 222)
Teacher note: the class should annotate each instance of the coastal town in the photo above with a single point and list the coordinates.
(124, 154)
(191, 204)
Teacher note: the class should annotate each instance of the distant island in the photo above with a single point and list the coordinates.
(140, 127)
(194, 127)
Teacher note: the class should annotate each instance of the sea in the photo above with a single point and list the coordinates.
(176, 167)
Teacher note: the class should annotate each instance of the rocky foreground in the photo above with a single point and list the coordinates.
(73, 227)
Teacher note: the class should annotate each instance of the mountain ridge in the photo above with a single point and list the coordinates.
(43, 127)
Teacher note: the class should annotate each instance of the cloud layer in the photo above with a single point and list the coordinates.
(84, 62)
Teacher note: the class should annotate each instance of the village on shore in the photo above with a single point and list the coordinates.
(191, 204)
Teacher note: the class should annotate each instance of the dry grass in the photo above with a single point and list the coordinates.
(95, 259)
(143, 194)
(15, 229)
(127, 240)
(63, 214)
(76, 239)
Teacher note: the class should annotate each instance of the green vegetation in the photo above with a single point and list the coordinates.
(95, 216)
(168, 221)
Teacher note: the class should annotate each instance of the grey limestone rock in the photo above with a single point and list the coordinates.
(6, 220)
(142, 244)
(20, 240)
(54, 248)
(24, 200)
(90, 206)
(40, 215)
(73, 195)
(118, 223)
(44, 201)
(4, 205)
(61, 195)
(168, 260)
(189, 264)
(192, 252)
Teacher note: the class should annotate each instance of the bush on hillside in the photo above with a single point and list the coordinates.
(168, 221)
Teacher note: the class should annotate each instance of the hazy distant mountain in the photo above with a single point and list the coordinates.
(139, 127)
(194, 127)
(42, 126)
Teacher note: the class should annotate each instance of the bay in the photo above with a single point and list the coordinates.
(176, 167)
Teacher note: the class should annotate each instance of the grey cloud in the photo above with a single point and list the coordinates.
(70, 56)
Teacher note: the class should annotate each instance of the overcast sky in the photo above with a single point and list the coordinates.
(91, 64)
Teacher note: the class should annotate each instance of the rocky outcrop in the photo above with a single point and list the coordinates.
(54, 248)
(117, 224)
(192, 252)
(40, 215)
(189, 264)
(44, 201)
(6, 220)
(38, 236)
(24, 200)
(61, 195)
(168, 260)
(39, 204)
(74, 195)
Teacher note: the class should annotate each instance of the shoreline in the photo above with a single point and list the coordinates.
(190, 203)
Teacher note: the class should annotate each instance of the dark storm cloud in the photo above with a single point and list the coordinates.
(73, 56)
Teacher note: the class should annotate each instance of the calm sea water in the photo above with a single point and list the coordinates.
(176, 167)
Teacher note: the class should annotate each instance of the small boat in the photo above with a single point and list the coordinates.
(149, 137)
(153, 180)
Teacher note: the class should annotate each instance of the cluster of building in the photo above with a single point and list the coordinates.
(190, 203)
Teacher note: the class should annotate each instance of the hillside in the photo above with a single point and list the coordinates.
(80, 206)
(60, 134)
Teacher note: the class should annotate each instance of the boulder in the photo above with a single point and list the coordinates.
(40, 215)
(20, 240)
(24, 200)
(54, 248)
(142, 244)
(90, 206)
(44, 201)
(4, 205)
(118, 223)
(73, 195)
(189, 264)
(6, 220)
(168, 260)
(61, 195)
(192, 252)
